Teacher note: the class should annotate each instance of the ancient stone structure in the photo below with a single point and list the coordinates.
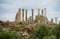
(18, 16)
(56, 20)
(51, 20)
(26, 14)
(32, 14)
(22, 14)
(30, 24)
(19, 25)
(38, 13)
(39, 18)
(30, 19)
(44, 12)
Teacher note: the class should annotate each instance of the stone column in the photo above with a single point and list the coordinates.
(32, 14)
(51, 20)
(26, 15)
(56, 20)
(38, 13)
(44, 11)
(22, 14)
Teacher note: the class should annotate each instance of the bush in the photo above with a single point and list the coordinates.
(56, 31)
(49, 37)
(41, 31)
(9, 35)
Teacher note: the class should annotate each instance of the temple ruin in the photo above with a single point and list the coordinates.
(22, 23)
(40, 18)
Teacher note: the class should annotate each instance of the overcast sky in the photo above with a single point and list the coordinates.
(9, 8)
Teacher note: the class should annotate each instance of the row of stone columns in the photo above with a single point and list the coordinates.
(43, 13)
(23, 15)
(26, 14)
(18, 15)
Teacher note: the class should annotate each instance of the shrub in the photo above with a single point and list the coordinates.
(49, 37)
(41, 31)
(56, 31)
(6, 34)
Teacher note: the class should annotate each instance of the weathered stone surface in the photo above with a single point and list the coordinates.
(18, 16)
(22, 14)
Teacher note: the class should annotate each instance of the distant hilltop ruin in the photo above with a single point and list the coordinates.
(27, 26)
(40, 18)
